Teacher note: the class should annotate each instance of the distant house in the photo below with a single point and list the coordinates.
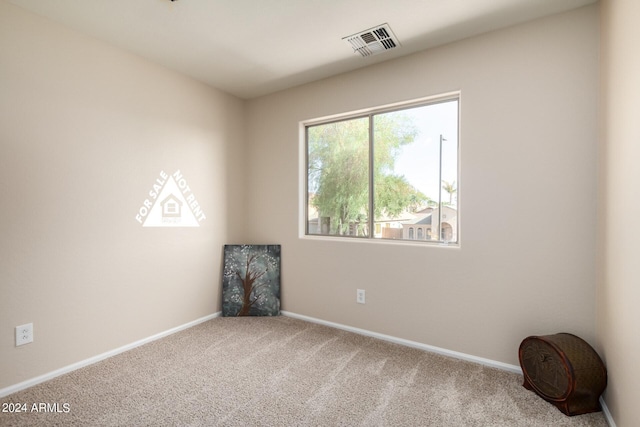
(171, 207)
(391, 228)
(421, 225)
(426, 223)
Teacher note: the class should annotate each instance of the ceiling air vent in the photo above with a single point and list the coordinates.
(373, 41)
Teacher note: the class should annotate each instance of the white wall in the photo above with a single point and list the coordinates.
(528, 150)
(619, 275)
(85, 129)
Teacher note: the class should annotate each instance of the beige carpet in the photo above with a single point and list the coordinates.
(286, 372)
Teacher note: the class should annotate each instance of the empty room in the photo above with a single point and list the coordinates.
(318, 213)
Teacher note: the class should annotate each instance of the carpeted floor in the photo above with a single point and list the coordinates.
(285, 372)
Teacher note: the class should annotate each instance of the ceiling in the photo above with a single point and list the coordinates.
(251, 48)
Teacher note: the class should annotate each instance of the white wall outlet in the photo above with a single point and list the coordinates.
(360, 296)
(24, 334)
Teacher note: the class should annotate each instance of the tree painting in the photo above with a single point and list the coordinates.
(251, 280)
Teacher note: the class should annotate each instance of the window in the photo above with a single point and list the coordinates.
(386, 173)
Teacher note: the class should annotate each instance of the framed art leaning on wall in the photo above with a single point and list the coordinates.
(251, 280)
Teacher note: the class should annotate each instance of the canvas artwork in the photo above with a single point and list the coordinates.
(251, 280)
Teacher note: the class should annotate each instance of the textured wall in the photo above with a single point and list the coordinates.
(619, 277)
(527, 194)
(85, 131)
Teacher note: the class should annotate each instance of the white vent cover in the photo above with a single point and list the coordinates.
(373, 41)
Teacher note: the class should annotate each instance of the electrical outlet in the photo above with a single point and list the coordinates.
(24, 334)
(360, 296)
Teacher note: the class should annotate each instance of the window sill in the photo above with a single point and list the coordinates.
(367, 240)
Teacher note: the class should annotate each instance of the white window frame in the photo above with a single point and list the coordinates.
(303, 178)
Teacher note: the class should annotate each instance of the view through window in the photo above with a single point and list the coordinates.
(390, 174)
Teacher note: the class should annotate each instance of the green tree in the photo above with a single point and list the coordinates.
(338, 171)
(449, 188)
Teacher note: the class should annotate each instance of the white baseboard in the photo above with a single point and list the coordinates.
(42, 378)
(607, 414)
(463, 356)
(457, 355)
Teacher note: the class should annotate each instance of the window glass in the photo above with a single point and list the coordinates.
(338, 178)
(408, 156)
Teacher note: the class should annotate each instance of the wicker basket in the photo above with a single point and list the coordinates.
(564, 370)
